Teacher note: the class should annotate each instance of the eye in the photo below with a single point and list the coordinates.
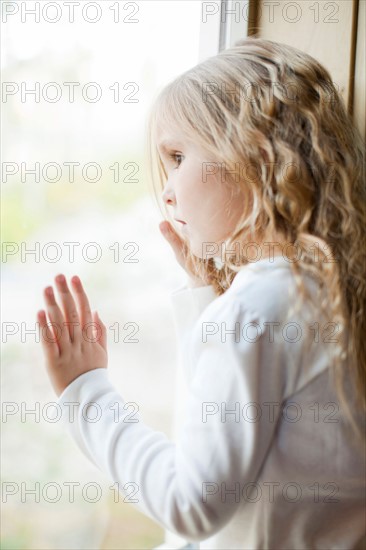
(174, 157)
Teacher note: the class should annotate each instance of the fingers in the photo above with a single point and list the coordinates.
(48, 340)
(172, 236)
(57, 319)
(67, 325)
(179, 246)
(164, 226)
(167, 230)
(69, 307)
(100, 331)
(83, 302)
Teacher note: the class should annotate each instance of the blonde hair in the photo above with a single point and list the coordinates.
(288, 123)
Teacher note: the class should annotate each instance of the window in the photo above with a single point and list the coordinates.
(78, 80)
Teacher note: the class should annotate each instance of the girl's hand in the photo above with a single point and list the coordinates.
(76, 341)
(180, 248)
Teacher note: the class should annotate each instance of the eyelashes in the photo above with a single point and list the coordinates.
(173, 156)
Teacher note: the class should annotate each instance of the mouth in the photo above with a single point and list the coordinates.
(181, 221)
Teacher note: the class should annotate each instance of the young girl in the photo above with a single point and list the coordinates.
(262, 173)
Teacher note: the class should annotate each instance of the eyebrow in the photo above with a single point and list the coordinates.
(166, 144)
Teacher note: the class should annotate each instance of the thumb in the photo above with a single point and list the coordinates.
(179, 246)
(171, 235)
(165, 228)
(100, 331)
(176, 242)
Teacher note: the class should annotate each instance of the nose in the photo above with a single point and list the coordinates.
(168, 195)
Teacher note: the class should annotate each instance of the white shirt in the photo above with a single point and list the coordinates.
(263, 459)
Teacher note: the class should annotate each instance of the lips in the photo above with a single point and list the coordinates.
(180, 221)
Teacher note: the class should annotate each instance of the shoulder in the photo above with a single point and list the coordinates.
(255, 321)
(257, 292)
(255, 297)
(270, 291)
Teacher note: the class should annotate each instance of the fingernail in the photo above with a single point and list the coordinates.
(60, 279)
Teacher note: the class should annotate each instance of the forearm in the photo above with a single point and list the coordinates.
(148, 468)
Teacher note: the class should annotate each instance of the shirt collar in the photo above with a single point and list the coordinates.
(250, 269)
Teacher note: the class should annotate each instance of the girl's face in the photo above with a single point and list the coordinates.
(198, 195)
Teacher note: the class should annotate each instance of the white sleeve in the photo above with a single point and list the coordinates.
(180, 485)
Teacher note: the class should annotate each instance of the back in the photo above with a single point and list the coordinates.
(309, 483)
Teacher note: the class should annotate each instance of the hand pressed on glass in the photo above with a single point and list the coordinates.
(73, 340)
(180, 247)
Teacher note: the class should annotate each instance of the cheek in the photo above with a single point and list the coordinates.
(190, 191)
(233, 202)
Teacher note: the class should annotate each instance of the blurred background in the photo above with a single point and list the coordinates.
(131, 52)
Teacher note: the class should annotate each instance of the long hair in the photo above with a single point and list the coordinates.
(272, 117)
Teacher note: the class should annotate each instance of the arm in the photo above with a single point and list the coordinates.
(176, 480)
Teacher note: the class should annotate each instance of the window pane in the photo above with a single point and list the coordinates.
(76, 92)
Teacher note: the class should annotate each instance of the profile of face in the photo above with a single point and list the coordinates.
(197, 195)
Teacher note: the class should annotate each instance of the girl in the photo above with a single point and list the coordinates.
(263, 172)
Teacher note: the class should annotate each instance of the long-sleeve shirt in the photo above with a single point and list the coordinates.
(263, 458)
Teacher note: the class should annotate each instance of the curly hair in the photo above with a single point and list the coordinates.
(274, 109)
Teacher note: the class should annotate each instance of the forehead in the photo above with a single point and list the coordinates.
(169, 139)
(168, 136)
